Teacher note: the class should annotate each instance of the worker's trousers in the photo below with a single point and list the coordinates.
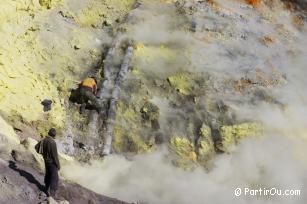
(51, 178)
(87, 95)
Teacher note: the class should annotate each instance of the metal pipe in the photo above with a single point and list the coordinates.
(111, 115)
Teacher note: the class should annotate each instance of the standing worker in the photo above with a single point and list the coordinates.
(88, 91)
(47, 147)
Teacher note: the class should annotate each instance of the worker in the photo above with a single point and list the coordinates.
(48, 148)
(88, 91)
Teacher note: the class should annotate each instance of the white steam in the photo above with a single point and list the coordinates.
(267, 163)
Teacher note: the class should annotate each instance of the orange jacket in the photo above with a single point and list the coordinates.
(91, 83)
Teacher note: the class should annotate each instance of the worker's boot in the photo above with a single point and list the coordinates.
(47, 192)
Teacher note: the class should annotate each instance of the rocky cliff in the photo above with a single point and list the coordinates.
(189, 87)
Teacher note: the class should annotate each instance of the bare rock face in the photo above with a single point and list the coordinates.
(20, 183)
(75, 193)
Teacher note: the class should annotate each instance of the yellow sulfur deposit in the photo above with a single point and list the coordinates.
(181, 146)
(22, 87)
(160, 60)
(152, 53)
(181, 82)
(193, 156)
(205, 145)
(185, 151)
(98, 12)
(44, 51)
(127, 131)
(231, 135)
(150, 111)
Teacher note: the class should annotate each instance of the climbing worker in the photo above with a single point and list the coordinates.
(88, 91)
(47, 147)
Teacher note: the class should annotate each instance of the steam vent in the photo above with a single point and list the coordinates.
(153, 101)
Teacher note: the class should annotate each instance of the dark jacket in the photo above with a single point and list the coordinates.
(47, 147)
